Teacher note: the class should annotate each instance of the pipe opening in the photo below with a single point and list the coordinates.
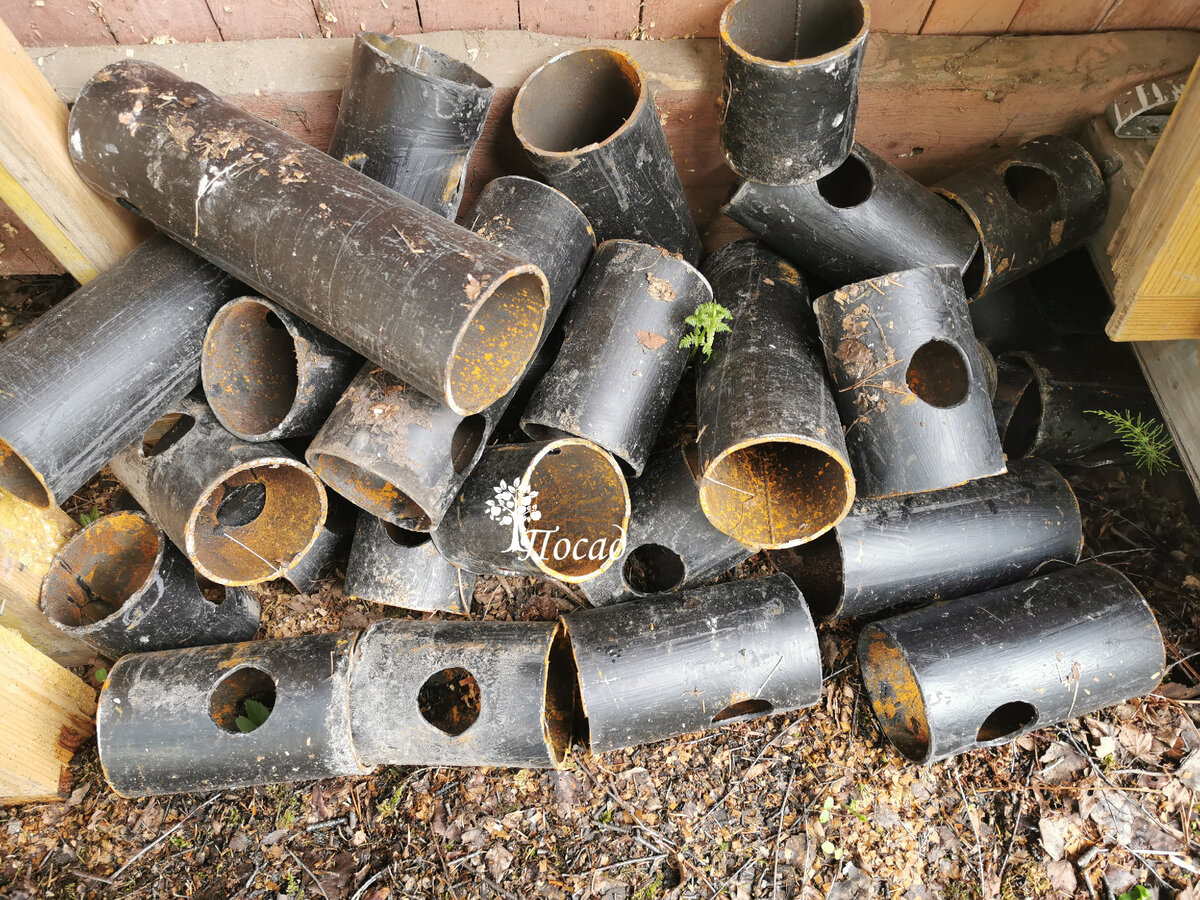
(1025, 422)
(166, 433)
(498, 343)
(422, 59)
(211, 591)
(402, 537)
(895, 695)
(254, 523)
(576, 525)
(744, 709)
(775, 493)
(563, 704)
(450, 700)
(1033, 189)
(125, 204)
(787, 30)
(938, 374)
(577, 100)
(100, 569)
(466, 441)
(817, 569)
(653, 569)
(18, 478)
(1007, 721)
(243, 700)
(848, 185)
(973, 273)
(250, 368)
(368, 491)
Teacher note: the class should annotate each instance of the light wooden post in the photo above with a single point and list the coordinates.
(86, 232)
(48, 713)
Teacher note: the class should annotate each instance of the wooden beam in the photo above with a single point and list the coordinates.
(48, 713)
(86, 232)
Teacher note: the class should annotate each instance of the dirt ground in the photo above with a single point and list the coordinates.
(809, 805)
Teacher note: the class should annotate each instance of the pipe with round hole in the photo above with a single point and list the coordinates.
(940, 544)
(774, 471)
(447, 693)
(409, 119)
(1028, 207)
(453, 315)
(182, 721)
(588, 122)
(243, 513)
(330, 546)
(94, 372)
(790, 99)
(268, 374)
(555, 508)
(862, 219)
(1012, 317)
(121, 587)
(671, 544)
(983, 670)
(910, 383)
(396, 567)
(620, 361)
(689, 661)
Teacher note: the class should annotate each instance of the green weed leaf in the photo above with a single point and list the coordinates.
(1145, 439)
(707, 322)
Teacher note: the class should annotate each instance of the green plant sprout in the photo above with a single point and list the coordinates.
(100, 675)
(707, 322)
(256, 714)
(1135, 893)
(88, 518)
(1145, 439)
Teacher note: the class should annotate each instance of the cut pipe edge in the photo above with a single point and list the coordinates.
(369, 490)
(22, 480)
(730, 33)
(424, 62)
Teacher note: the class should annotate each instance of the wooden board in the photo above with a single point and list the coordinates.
(929, 103)
(970, 16)
(48, 713)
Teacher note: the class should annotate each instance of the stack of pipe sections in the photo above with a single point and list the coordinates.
(773, 463)
(397, 567)
(910, 382)
(330, 546)
(940, 544)
(107, 362)
(983, 670)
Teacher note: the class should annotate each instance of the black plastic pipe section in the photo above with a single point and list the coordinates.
(120, 587)
(174, 721)
(671, 544)
(557, 508)
(983, 670)
(588, 122)
(95, 371)
(790, 98)
(268, 374)
(331, 546)
(409, 119)
(242, 512)
(620, 361)
(1028, 207)
(694, 660)
(434, 304)
(397, 567)
(940, 544)
(463, 694)
(773, 462)
(864, 218)
(909, 382)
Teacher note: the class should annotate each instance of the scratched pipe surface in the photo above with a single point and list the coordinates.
(773, 462)
(454, 316)
(167, 721)
(121, 587)
(910, 382)
(242, 512)
(446, 693)
(409, 119)
(402, 568)
(790, 99)
(588, 122)
(267, 374)
(983, 670)
(862, 219)
(694, 660)
(940, 544)
(1029, 206)
(99, 368)
(620, 361)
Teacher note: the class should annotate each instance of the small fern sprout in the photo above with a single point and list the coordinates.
(1145, 439)
(707, 322)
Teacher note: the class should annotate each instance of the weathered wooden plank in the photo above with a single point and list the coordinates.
(143, 21)
(61, 22)
(662, 19)
(241, 20)
(1059, 16)
(346, 18)
(1133, 14)
(601, 20)
(899, 16)
(479, 14)
(970, 16)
